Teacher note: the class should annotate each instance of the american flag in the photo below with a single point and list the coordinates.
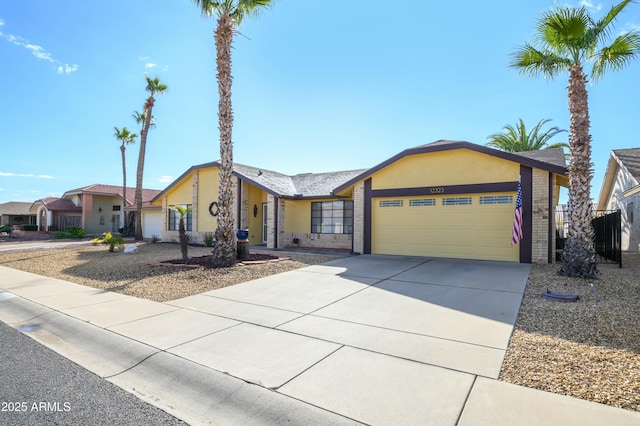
(516, 236)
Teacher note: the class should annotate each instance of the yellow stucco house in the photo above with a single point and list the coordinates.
(444, 199)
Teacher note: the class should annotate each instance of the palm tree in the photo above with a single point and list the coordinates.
(517, 138)
(567, 39)
(126, 137)
(154, 87)
(184, 239)
(230, 14)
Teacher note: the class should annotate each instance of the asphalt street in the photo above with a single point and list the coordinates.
(40, 387)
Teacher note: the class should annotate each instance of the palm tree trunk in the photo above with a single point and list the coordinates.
(224, 251)
(148, 107)
(183, 240)
(579, 253)
(124, 185)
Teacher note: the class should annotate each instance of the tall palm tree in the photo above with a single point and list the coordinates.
(126, 137)
(230, 14)
(154, 87)
(566, 39)
(517, 138)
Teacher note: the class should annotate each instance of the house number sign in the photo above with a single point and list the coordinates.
(437, 190)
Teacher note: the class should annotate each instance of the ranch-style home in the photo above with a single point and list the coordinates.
(444, 199)
(96, 208)
(621, 191)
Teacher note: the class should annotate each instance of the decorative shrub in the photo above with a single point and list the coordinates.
(208, 239)
(28, 227)
(154, 239)
(108, 238)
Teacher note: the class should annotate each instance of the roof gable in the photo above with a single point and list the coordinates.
(549, 161)
(627, 160)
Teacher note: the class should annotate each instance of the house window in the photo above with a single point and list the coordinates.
(496, 199)
(422, 202)
(174, 219)
(332, 217)
(630, 213)
(116, 208)
(456, 201)
(391, 203)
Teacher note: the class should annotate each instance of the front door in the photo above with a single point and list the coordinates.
(115, 223)
(265, 223)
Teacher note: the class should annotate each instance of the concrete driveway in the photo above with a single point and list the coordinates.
(364, 339)
(358, 327)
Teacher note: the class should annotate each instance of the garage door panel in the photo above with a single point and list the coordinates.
(470, 231)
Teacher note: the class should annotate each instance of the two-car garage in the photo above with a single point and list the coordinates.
(468, 226)
(456, 199)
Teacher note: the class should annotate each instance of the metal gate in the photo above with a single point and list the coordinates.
(608, 229)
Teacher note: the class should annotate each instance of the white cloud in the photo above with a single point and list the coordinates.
(7, 174)
(165, 179)
(36, 50)
(67, 69)
(589, 5)
(150, 65)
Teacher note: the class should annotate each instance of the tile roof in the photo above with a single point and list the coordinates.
(630, 159)
(15, 208)
(114, 190)
(58, 204)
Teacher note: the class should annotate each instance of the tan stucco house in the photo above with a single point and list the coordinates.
(96, 208)
(16, 213)
(444, 199)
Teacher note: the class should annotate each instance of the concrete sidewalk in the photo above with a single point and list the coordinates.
(365, 339)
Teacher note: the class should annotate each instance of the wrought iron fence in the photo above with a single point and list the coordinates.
(607, 225)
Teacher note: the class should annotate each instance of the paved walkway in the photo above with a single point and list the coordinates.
(366, 339)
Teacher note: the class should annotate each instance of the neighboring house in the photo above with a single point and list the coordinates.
(445, 199)
(16, 213)
(96, 208)
(620, 191)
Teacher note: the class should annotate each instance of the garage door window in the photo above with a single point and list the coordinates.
(391, 203)
(332, 217)
(174, 219)
(456, 201)
(424, 202)
(496, 199)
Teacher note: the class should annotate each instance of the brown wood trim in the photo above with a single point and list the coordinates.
(526, 181)
(552, 217)
(446, 190)
(367, 217)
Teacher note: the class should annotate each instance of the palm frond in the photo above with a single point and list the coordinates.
(531, 61)
(616, 56)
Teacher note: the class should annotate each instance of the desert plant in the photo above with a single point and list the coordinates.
(110, 239)
(154, 239)
(208, 239)
(184, 237)
(76, 232)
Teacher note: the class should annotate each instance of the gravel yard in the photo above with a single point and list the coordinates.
(589, 349)
(133, 274)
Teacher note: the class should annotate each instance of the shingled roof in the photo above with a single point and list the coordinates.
(305, 185)
(630, 159)
(15, 208)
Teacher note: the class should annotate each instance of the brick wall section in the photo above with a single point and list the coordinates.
(270, 210)
(358, 217)
(540, 216)
(194, 201)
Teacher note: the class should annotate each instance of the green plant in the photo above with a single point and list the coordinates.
(208, 239)
(185, 238)
(76, 232)
(28, 227)
(154, 239)
(110, 239)
(60, 234)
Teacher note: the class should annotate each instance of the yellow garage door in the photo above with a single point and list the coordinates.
(467, 226)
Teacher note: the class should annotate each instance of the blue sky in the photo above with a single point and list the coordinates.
(338, 86)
